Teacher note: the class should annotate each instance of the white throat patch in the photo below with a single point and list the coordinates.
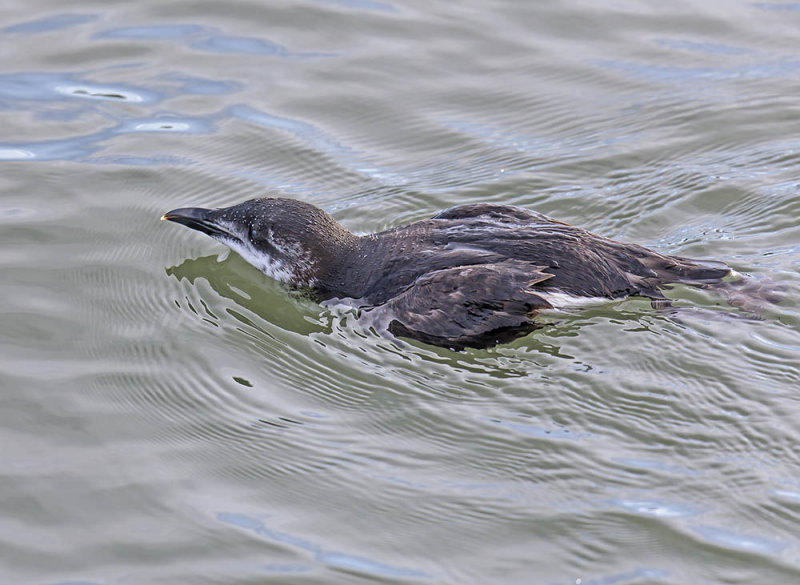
(272, 267)
(290, 265)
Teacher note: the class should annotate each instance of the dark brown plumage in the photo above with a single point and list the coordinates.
(471, 276)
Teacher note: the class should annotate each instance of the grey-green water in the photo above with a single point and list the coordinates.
(169, 415)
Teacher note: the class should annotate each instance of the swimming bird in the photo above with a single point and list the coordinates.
(471, 276)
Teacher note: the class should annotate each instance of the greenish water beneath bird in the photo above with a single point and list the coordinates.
(169, 414)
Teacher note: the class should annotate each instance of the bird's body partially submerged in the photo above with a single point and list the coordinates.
(471, 276)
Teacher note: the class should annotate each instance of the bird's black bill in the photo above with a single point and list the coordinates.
(196, 218)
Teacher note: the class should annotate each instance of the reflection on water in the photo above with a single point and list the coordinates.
(250, 291)
(168, 415)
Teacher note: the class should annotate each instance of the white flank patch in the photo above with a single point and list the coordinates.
(561, 300)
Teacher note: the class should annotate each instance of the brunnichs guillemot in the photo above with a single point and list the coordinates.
(471, 276)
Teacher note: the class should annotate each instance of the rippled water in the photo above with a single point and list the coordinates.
(170, 415)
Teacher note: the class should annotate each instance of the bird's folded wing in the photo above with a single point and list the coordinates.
(468, 306)
(498, 213)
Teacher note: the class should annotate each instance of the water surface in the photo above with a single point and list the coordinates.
(170, 415)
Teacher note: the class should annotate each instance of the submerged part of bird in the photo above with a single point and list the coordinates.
(471, 276)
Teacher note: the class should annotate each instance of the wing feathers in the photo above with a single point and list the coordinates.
(469, 306)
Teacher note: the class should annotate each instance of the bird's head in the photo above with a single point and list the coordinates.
(290, 241)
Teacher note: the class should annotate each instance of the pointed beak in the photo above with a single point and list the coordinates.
(198, 219)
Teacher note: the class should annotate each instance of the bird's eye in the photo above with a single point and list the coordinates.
(253, 234)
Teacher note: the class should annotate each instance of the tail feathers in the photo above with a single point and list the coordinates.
(752, 295)
(676, 269)
(698, 272)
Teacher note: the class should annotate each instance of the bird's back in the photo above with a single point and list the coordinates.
(580, 263)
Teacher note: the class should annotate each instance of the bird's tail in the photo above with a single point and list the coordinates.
(751, 294)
